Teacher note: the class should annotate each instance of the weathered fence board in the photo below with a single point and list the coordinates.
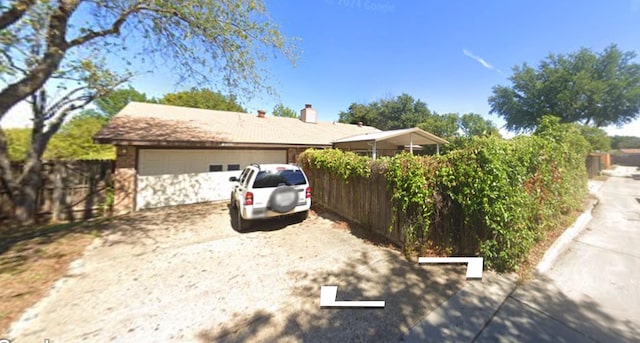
(626, 159)
(366, 202)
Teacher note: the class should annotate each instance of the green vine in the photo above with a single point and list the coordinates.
(411, 182)
(342, 164)
(489, 196)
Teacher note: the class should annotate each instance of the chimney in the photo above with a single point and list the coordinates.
(308, 114)
(261, 113)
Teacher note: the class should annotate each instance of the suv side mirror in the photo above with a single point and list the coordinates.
(233, 179)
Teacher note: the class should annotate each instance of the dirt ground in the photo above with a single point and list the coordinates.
(33, 258)
(185, 274)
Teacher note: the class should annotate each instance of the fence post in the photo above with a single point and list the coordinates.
(59, 198)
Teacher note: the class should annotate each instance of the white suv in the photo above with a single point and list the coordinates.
(269, 190)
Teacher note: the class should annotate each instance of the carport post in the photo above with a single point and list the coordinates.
(411, 143)
(375, 152)
(438, 149)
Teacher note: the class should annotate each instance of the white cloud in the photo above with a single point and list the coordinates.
(478, 59)
(631, 129)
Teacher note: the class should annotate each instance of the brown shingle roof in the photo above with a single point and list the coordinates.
(142, 123)
(630, 151)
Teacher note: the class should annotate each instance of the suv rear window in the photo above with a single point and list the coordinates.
(287, 177)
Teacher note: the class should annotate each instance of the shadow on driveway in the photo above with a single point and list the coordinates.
(410, 292)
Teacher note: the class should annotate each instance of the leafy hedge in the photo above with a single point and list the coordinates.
(490, 196)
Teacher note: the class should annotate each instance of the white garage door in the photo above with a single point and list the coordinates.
(177, 177)
(160, 161)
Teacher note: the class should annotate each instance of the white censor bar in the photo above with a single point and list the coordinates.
(474, 264)
(328, 299)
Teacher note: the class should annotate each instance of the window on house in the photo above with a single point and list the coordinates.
(231, 167)
(215, 167)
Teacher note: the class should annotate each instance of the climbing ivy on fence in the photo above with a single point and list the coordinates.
(503, 193)
(337, 162)
(412, 184)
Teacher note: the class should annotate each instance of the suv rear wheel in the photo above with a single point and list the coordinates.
(241, 223)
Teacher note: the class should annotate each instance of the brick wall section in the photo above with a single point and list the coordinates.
(124, 180)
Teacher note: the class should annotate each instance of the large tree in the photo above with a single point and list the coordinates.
(202, 98)
(597, 89)
(473, 124)
(74, 141)
(281, 110)
(597, 137)
(60, 47)
(442, 125)
(112, 103)
(625, 142)
(391, 113)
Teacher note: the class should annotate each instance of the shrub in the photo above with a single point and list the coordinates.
(490, 196)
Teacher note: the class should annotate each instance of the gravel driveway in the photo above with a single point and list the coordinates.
(185, 274)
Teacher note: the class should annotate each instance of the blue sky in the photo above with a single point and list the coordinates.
(447, 53)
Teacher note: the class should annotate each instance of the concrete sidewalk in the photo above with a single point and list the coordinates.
(557, 305)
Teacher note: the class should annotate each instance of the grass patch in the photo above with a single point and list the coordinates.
(32, 258)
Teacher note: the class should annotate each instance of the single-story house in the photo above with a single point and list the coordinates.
(170, 155)
(164, 152)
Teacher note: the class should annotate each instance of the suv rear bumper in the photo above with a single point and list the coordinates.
(251, 212)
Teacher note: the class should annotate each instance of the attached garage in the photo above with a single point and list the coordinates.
(169, 155)
(169, 177)
(180, 161)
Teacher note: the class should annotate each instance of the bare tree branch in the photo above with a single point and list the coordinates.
(15, 12)
(49, 63)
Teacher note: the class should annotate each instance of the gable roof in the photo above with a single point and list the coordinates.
(154, 124)
(415, 136)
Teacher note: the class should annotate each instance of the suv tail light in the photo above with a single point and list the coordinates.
(248, 198)
(308, 193)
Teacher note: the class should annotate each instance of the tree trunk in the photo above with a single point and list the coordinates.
(26, 198)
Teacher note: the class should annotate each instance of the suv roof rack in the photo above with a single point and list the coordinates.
(256, 165)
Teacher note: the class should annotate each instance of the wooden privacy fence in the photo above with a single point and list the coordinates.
(69, 190)
(368, 202)
(630, 157)
(365, 201)
(596, 162)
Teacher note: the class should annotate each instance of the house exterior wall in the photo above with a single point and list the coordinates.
(153, 177)
(182, 161)
(124, 179)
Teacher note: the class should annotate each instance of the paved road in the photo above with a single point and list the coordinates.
(592, 294)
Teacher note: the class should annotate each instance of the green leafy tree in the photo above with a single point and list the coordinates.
(600, 89)
(280, 110)
(400, 112)
(65, 44)
(18, 141)
(115, 101)
(597, 138)
(442, 125)
(625, 142)
(74, 141)
(202, 98)
(473, 124)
